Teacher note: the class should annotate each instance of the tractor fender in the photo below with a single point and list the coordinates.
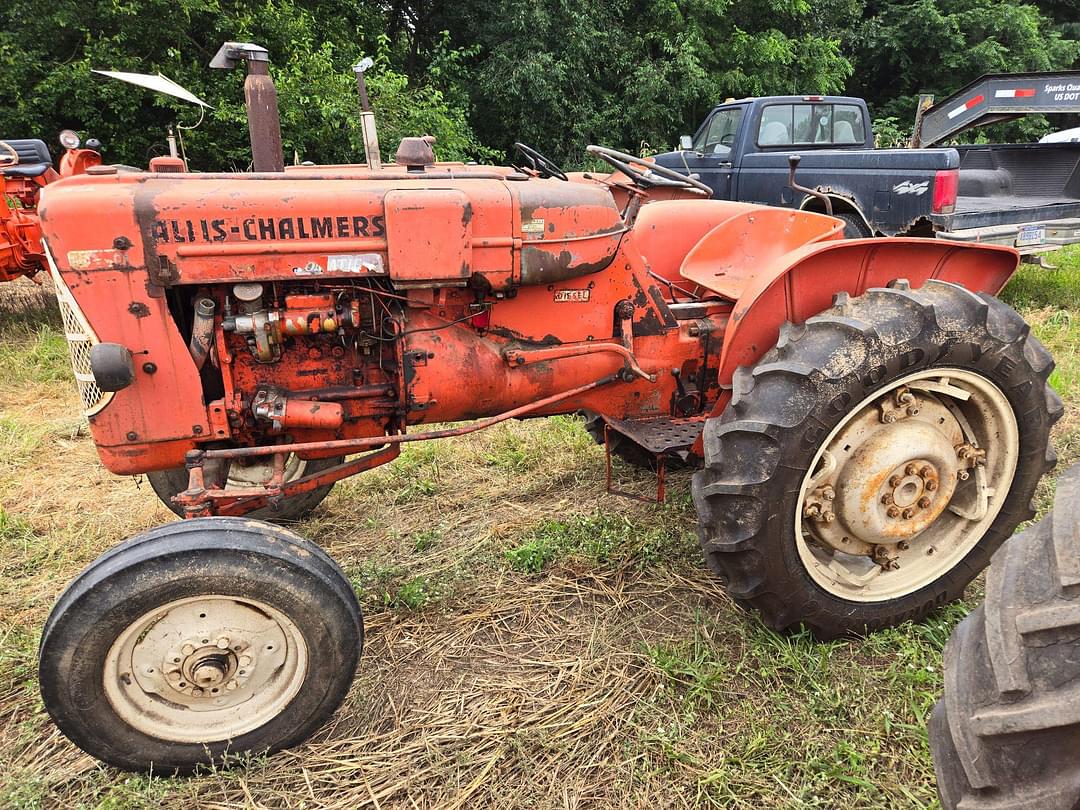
(803, 282)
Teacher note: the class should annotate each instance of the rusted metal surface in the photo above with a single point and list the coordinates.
(350, 304)
(661, 474)
(264, 122)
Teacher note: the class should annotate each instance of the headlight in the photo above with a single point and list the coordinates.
(69, 139)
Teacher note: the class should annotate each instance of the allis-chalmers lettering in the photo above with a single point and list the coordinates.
(267, 228)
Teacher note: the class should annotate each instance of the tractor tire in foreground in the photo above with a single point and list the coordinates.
(167, 483)
(1006, 735)
(869, 465)
(197, 642)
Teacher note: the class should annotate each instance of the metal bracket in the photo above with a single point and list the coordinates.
(661, 474)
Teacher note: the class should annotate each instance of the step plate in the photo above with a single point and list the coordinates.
(660, 435)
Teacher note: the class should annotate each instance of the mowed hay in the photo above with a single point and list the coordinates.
(531, 640)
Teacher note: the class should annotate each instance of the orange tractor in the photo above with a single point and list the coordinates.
(25, 169)
(869, 421)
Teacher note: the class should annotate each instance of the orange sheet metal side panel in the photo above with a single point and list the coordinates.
(666, 232)
(110, 288)
(464, 374)
(429, 237)
(568, 230)
(803, 283)
(223, 228)
(208, 228)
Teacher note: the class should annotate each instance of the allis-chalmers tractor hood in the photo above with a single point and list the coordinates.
(447, 227)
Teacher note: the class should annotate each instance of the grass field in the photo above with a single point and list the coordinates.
(531, 641)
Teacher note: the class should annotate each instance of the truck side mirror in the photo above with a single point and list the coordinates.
(686, 143)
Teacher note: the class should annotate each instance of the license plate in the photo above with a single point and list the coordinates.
(1031, 235)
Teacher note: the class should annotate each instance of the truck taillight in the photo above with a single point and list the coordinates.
(946, 186)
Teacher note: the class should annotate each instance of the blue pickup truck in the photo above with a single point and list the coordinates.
(1024, 195)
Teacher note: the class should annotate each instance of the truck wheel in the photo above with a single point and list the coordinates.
(167, 483)
(1007, 731)
(197, 641)
(872, 461)
(854, 227)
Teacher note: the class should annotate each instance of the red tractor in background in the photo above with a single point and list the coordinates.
(25, 169)
(869, 421)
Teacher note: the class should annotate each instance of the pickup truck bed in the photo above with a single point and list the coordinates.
(1006, 185)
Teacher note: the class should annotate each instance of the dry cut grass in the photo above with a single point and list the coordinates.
(531, 641)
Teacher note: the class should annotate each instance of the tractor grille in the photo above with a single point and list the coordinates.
(81, 339)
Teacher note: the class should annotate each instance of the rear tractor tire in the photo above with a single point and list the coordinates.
(872, 461)
(1007, 732)
(200, 641)
(168, 483)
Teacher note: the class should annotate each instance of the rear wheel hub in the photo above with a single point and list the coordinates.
(906, 484)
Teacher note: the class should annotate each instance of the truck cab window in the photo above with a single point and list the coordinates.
(717, 136)
(848, 127)
(794, 124)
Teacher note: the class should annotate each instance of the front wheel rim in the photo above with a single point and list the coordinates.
(905, 486)
(205, 669)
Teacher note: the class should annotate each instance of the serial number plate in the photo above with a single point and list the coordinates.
(1031, 235)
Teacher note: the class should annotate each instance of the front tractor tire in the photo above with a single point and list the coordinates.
(872, 461)
(169, 483)
(197, 642)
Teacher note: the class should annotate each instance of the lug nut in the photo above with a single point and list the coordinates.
(827, 517)
(895, 481)
(931, 485)
(187, 649)
(893, 511)
(889, 418)
(223, 643)
(196, 692)
(911, 469)
(231, 685)
(924, 502)
(886, 498)
(828, 493)
(908, 513)
(927, 471)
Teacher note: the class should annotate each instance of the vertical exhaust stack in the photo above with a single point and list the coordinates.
(367, 117)
(264, 121)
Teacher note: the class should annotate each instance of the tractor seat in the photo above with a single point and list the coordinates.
(34, 158)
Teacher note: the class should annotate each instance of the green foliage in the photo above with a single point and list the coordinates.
(903, 48)
(480, 75)
(48, 49)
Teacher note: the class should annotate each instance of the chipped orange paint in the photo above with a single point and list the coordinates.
(495, 294)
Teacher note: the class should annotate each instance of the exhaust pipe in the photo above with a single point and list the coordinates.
(367, 117)
(260, 96)
(202, 331)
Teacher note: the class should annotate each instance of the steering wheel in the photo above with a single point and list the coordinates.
(545, 166)
(727, 140)
(652, 176)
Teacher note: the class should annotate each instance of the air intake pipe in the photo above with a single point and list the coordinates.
(264, 121)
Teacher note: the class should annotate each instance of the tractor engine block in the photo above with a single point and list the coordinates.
(301, 357)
